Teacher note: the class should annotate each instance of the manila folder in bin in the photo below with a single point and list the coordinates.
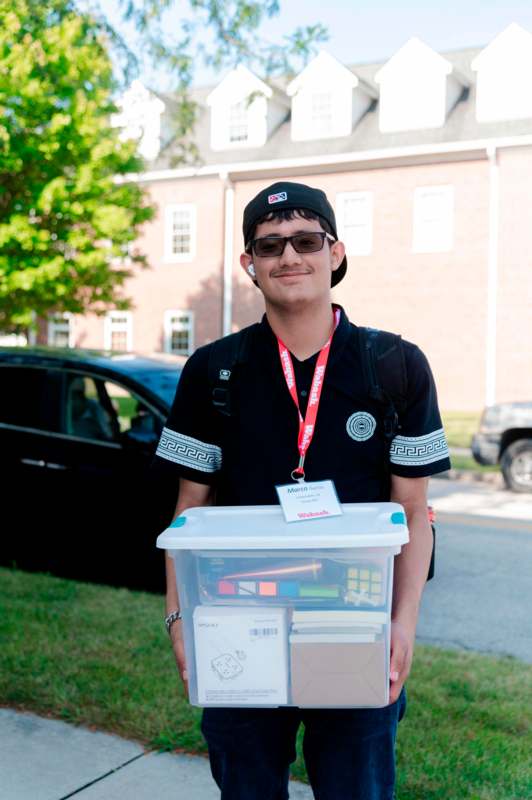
(339, 673)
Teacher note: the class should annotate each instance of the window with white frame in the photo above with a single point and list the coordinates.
(118, 331)
(321, 112)
(179, 332)
(180, 232)
(239, 122)
(354, 211)
(433, 224)
(61, 330)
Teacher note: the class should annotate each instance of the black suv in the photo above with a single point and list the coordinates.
(78, 430)
(505, 437)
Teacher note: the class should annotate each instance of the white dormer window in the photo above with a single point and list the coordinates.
(417, 89)
(139, 117)
(327, 100)
(238, 122)
(354, 211)
(244, 111)
(503, 77)
(322, 112)
(179, 232)
(433, 228)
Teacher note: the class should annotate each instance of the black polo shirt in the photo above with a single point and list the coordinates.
(246, 455)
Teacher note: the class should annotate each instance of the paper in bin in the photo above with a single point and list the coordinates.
(241, 655)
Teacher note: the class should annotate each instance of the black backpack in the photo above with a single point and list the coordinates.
(383, 363)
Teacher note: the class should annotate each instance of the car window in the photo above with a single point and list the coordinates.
(28, 397)
(134, 418)
(163, 383)
(88, 413)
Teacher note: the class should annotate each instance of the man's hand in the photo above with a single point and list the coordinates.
(402, 650)
(191, 495)
(176, 634)
(410, 575)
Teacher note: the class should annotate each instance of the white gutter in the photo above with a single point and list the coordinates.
(227, 290)
(359, 157)
(493, 263)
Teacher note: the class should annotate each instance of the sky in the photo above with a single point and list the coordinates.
(362, 32)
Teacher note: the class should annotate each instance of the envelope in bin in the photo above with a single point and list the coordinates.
(338, 674)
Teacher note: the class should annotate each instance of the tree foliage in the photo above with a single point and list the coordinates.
(179, 36)
(234, 36)
(65, 220)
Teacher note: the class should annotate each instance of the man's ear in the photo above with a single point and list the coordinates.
(246, 261)
(337, 254)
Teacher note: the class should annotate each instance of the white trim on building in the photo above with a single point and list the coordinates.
(238, 122)
(327, 99)
(360, 159)
(179, 232)
(179, 332)
(60, 330)
(354, 213)
(433, 219)
(13, 340)
(139, 117)
(227, 287)
(493, 279)
(503, 77)
(242, 111)
(417, 89)
(118, 330)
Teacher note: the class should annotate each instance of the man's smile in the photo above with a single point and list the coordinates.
(290, 273)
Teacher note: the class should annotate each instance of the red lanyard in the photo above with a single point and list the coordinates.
(307, 425)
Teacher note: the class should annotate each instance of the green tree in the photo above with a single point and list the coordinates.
(178, 36)
(65, 219)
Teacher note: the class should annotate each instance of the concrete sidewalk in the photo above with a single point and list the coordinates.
(479, 499)
(44, 759)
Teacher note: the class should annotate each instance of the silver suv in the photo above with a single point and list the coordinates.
(505, 437)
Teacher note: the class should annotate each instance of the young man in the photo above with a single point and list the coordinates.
(293, 255)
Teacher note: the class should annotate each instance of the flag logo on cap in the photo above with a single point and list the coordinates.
(277, 198)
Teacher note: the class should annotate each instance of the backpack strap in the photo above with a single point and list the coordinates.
(383, 363)
(224, 356)
(384, 366)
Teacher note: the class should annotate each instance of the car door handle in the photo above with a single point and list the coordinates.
(32, 463)
(43, 464)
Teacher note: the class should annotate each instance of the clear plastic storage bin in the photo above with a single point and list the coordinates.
(278, 613)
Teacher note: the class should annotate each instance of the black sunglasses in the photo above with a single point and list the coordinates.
(271, 246)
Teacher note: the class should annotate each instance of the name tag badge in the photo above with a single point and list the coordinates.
(313, 500)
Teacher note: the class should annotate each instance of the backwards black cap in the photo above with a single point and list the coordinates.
(293, 196)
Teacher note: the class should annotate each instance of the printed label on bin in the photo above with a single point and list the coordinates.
(305, 501)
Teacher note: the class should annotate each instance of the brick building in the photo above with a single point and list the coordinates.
(427, 159)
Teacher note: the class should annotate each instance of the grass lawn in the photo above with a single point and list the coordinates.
(100, 656)
(460, 426)
(468, 462)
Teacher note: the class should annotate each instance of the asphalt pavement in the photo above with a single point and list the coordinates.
(477, 601)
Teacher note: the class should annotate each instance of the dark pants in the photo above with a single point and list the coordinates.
(349, 753)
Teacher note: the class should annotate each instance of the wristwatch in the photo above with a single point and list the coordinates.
(171, 618)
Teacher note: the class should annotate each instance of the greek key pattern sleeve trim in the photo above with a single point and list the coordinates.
(189, 452)
(416, 451)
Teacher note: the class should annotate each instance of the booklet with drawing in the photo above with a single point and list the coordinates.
(241, 655)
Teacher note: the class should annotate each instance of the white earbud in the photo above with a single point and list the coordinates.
(251, 271)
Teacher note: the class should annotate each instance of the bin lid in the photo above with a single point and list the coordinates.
(264, 527)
